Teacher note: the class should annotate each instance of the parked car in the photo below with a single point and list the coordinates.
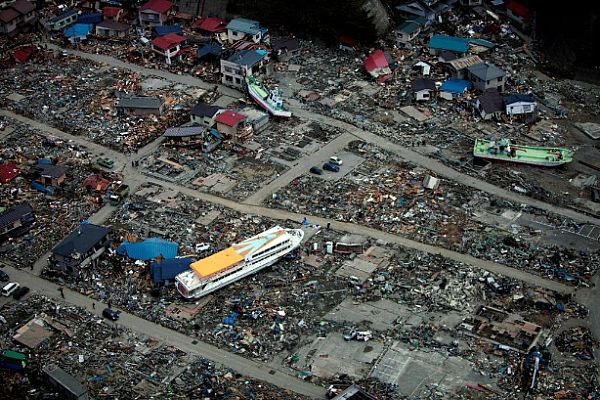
(111, 314)
(10, 288)
(595, 195)
(331, 167)
(316, 171)
(105, 162)
(20, 292)
(335, 160)
(202, 247)
(4, 276)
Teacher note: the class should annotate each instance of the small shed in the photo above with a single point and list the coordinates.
(489, 105)
(228, 122)
(453, 88)
(140, 105)
(204, 114)
(422, 89)
(519, 104)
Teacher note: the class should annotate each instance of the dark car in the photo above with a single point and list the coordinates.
(4, 276)
(595, 195)
(316, 171)
(110, 314)
(20, 292)
(331, 167)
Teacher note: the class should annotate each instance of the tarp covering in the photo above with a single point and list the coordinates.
(168, 269)
(149, 249)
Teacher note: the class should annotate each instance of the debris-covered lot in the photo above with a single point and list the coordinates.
(389, 194)
(57, 214)
(102, 356)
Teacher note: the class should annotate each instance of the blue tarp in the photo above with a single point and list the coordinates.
(149, 249)
(166, 29)
(38, 186)
(451, 43)
(168, 269)
(78, 30)
(89, 18)
(455, 86)
(211, 48)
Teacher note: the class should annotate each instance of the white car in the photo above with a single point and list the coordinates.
(202, 247)
(335, 160)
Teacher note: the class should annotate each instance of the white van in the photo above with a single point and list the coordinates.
(10, 288)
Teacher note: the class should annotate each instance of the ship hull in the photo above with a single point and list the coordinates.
(244, 270)
(522, 161)
(268, 107)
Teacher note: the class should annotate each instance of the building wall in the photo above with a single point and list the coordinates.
(150, 18)
(520, 108)
(109, 32)
(58, 25)
(423, 95)
(204, 121)
(226, 130)
(232, 74)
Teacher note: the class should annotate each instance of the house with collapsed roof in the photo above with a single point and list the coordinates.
(379, 65)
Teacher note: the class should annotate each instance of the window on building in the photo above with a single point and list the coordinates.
(228, 78)
(500, 79)
(238, 81)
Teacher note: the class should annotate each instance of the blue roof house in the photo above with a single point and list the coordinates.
(242, 28)
(440, 43)
(78, 32)
(453, 88)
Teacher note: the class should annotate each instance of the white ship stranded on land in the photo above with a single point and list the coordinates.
(270, 100)
(236, 262)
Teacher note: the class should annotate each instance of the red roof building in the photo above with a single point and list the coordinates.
(23, 53)
(168, 41)
(95, 182)
(158, 6)
(377, 66)
(519, 12)
(112, 13)
(230, 118)
(168, 45)
(8, 172)
(155, 13)
(210, 25)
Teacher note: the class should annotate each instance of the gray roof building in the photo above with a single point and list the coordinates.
(140, 102)
(485, 71)
(81, 240)
(246, 57)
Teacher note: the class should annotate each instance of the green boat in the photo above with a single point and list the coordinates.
(504, 150)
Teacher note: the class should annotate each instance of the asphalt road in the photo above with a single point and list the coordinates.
(301, 168)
